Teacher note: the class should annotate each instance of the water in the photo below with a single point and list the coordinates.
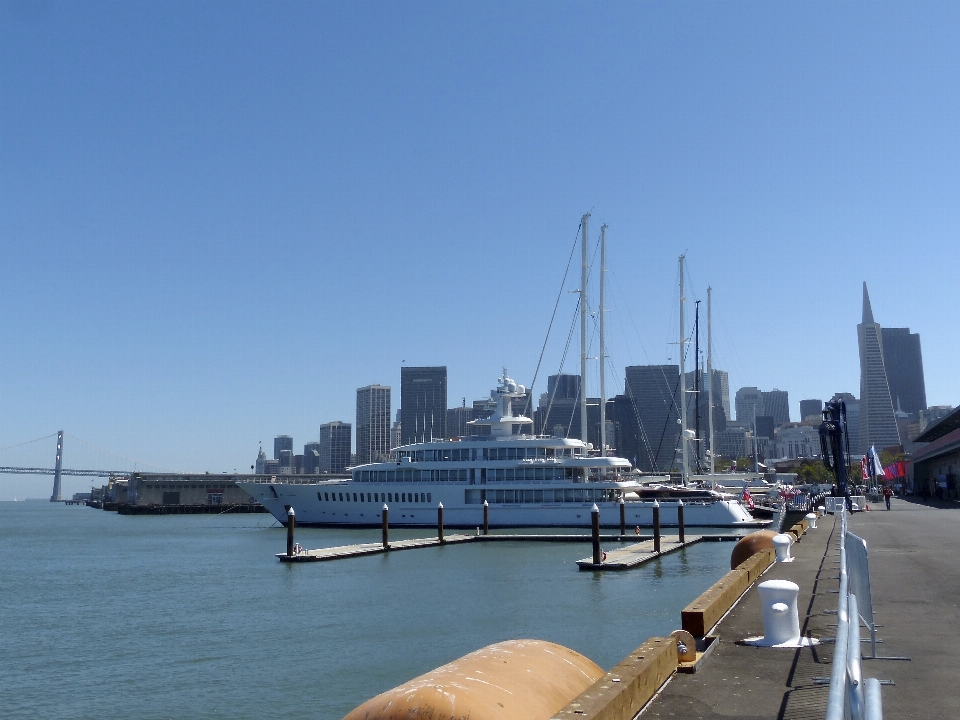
(111, 616)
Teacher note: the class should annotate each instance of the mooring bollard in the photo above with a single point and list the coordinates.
(812, 520)
(623, 518)
(486, 518)
(291, 522)
(781, 621)
(386, 527)
(656, 526)
(680, 518)
(440, 522)
(595, 527)
(781, 545)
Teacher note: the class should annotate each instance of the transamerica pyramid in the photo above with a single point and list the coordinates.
(878, 424)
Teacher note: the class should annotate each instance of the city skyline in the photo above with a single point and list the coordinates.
(220, 220)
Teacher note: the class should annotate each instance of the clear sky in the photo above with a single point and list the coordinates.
(218, 219)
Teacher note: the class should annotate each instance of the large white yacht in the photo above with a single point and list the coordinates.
(526, 481)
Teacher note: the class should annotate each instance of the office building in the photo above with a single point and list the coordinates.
(904, 365)
(423, 404)
(811, 409)
(457, 419)
(794, 440)
(749, 404)
(373, 424)
(878, 424)
(651, 392)
(311, 459)
(334, 452)
(282, 442)
(776, 404)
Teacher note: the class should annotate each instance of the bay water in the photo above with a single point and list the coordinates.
(192, 616)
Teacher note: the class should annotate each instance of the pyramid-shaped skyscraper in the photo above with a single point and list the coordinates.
(878, 424)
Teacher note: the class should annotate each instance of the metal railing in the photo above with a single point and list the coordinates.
(851, 696)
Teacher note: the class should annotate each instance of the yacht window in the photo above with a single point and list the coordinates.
(428, 496)
(538, 496)
(403, 497)
(528, 496)
(376, 497)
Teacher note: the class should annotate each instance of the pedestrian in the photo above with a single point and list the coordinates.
(887, 493)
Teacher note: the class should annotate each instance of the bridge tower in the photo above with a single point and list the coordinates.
(56, 472)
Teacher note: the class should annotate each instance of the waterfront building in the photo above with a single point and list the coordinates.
(423, 404)
(281, 442)
(878, 424)
(904, 365)
(373, 424)
(652, 393)
(811, 409)
(933, 414)
(335, 447)
(795, 440)
(732, 443)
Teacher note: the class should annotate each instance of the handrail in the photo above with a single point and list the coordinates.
(850, 695)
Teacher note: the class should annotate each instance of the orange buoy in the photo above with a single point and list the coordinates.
(750, 545)
(515, 679)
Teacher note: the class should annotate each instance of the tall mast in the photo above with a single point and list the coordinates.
(583, 330)
(710, 379)
(696, 386)
(683, 386)
(603, 347)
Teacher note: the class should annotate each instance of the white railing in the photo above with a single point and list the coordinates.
(835, 504)
(852, 697)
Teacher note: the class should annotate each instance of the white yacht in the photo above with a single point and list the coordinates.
(526, 481)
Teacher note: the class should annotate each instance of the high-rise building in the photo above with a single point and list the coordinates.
(904, 364)
(749, 402)
(311, 459)
(811, 409)
(261, 462)
(282, 442)
(423, 404)
(765, 425)
(373, 424)
(853, 421)
(651, 394)
(776, 404)
(286, 462)
(878, 424)
(457, 419)
(396, 439)
(335, 446)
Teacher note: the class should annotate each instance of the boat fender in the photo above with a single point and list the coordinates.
(750, 545)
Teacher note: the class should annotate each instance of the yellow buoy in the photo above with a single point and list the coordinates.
(511, 680)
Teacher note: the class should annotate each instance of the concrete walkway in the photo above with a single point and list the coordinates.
(914, 553)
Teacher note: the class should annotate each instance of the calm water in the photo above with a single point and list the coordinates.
(111, 616)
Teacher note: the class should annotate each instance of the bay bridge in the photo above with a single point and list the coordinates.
(30, 464)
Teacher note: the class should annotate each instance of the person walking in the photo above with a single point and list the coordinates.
(887, 493)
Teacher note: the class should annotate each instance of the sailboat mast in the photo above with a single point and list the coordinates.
(603, 346)
(583, 329)
(696, 386)
(710, 380)
(683, 385)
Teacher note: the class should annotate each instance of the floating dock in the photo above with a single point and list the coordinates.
(638, 553)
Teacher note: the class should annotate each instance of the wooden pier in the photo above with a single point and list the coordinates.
(638, 553)
(350, 551)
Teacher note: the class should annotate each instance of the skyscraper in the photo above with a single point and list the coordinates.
(651, 391)
(423, 404)
(373, 423)
(810, 409)
(335, 447)
(282, 442)
(878, 425)
(749, 401)
(776, 404)
(904, 363)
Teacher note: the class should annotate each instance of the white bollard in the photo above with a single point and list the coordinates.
(782, 543)
(822, 509)
(812, 519)
(781, 620)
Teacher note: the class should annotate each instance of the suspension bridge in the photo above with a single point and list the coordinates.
(25, 459)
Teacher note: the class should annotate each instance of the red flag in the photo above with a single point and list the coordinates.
(865, 468)
(747, 498)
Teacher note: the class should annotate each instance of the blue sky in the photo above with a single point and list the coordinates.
(218, 219)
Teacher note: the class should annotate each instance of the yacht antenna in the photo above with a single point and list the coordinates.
(603, 347)
(710, 380)
(683, 385)
(583, 331)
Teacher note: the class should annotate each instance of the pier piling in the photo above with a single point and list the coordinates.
(386, 527)
(595, 523)
(623, 517)
(486, 518)
(680, 518)
(656, 526)
(291, 523)
(440, 522)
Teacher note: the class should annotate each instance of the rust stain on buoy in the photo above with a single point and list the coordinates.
(512, 680)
